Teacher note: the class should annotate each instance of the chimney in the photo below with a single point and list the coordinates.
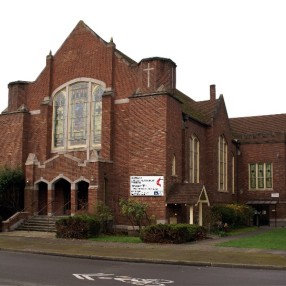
(212, 92)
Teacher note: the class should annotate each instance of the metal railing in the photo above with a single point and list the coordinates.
(15, 220)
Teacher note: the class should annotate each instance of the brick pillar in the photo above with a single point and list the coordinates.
(29, 199)
(51, 199)
(73, 199)
(92, 198)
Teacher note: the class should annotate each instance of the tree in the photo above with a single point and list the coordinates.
(11, 191)
(135, 211)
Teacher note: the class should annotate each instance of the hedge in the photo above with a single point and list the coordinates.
(78, 227)
(172, 233)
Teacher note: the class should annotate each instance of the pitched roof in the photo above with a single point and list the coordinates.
(259, 124)
(82, 25)
(202, 111)
(185, 194)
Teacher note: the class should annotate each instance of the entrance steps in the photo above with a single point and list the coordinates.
(40, 223)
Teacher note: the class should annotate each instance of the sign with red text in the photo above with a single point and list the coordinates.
(146, 185)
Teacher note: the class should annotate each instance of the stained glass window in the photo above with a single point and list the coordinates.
(252, 176)
(59, 118)
(260, 176)
(97, 92)
(78, 113)
(77, 116)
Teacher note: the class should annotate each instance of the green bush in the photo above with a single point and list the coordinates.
(78, 227)
(135, 212)
(104, 215)
(232, 215)
(172, 233)
(12, 182)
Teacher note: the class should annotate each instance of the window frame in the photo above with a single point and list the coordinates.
(194, 160)
(222, 164)
(89, 124)
(258, 176)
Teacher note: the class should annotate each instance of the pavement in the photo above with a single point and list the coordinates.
(200, 253)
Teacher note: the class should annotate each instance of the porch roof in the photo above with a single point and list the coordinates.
(187, 194)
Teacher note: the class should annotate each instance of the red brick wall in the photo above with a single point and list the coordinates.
(142, 125)
(220, 127)
(264, 153)
(13, 135)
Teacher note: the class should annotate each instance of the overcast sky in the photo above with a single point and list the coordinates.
(240, 46)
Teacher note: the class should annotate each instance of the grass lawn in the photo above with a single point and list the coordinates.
(272, 239)
(116, 238)
(242, 230)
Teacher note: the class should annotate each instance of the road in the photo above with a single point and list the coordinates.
(27, 269)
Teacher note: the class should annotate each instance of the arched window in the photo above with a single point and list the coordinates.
(222, 164)
(194, 159)
(174, 165)
(59, 118)
(77, 115)
(97, 92)
(78, 111)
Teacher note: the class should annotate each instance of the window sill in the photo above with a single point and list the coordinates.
(259, 190)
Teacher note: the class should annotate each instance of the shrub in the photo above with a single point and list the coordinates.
(105, 217)
(172, 233)
(135, 212)
(78, 227)
(12, 184)
(232, 215)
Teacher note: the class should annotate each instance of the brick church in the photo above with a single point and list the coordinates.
(96, 126)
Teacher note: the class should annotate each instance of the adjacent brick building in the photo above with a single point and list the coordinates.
(96, 126)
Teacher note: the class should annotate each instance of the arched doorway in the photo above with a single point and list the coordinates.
(82, 196)
(62, 203)
(42, 198)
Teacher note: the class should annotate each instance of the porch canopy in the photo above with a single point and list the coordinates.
(191, 194)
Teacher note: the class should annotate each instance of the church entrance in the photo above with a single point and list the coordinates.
(42, 198)
(62, 202)
(82, 196)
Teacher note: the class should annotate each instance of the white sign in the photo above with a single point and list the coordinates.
(275, 195)
(147, 185)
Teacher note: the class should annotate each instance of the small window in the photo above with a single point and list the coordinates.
(174, 165)
(260, 176)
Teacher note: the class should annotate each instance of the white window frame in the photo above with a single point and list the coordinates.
(222, 164)
(233, 174)
(89, 125)
(260, 176)
(194, 160)
(174, 165)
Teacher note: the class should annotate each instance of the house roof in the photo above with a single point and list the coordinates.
(259, 124)
(202, 111)
(187, 194)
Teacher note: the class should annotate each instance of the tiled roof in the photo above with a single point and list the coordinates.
(184, 194)
(259, 124)
(202, 111)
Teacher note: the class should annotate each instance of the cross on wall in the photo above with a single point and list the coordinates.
(148, 70)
